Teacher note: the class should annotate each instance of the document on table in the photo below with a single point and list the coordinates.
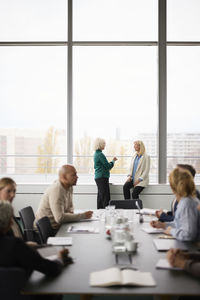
(164, 264)
(82, 229)
(59, 241)
(150, 229)
(165, 245)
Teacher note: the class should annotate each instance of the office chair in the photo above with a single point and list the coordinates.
(126, 204)
(12, 280)
(45, 229)
(27, 216)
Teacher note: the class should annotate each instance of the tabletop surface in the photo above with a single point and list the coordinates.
(93, 252)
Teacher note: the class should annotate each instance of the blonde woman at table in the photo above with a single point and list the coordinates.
(138, 177)
(102, 173)
(186, 224)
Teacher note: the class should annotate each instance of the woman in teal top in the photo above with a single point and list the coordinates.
(102, 173)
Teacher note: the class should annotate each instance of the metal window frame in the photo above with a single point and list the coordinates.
(162, 44)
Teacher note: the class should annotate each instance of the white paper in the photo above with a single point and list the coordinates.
(63, 241)
(82, 229)
(148, 211)
(131, 277)
(164, 264)
(108, 277)
(152, 230)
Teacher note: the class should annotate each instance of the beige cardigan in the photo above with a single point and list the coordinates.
(142, 169)
(56, 203)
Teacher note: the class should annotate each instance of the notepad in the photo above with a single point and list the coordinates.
(115, 276)
(82, 229)
(164, 264)
(59, 241)
(152, 230)
(165, 245)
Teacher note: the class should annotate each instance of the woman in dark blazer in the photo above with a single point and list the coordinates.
(15, 253)
(102, 173)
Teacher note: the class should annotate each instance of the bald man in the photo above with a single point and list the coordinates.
(56, 202)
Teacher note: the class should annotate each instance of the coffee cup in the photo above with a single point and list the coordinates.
(131, 246)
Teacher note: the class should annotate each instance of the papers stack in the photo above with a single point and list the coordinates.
(150, 229)
(60, 241)
(82, 229)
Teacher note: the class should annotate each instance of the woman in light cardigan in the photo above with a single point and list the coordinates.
(186, 224)
(138, 177)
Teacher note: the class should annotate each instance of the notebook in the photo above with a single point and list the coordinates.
(150, 229)
(165, 245)
(115, 276)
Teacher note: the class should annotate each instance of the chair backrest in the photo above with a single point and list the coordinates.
(27, 216)
(45, 229)
(12, 280)
(126, 204)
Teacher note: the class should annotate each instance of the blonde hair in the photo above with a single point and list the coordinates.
(6, 214)
(142, 147)
(6, 181)
(98, 143)
(182, 183)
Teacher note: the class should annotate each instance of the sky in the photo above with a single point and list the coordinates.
(113, 87)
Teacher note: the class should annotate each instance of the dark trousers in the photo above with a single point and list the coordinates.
(103, 196)
(136, 190)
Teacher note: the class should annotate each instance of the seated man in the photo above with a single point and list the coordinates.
(56, 202)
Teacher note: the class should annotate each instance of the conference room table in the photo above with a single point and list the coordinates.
(93, 252)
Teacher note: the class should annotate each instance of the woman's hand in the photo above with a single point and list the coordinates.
(158, 224)
(177, 258)
(129, 179)
(136, 182)
(63, 255)
(168, 230)
(158, 213)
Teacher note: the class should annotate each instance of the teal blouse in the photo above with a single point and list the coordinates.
(101, 165)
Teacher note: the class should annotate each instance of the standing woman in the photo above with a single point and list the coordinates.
(102, 173)
(138, 177)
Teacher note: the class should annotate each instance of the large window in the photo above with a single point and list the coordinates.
(65, 81)
(183, 57)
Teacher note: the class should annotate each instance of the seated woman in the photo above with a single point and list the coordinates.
(138, 177)
(169, 216)
(190, 262)
(15, 253)
(186, 224)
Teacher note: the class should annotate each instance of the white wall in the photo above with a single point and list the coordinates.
(154, 196)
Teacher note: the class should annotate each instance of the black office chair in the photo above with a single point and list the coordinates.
(45, 229)
(27, 216)
(126, 204)
(12, 280)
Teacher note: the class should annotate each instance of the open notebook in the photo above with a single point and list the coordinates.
(115, 276)
(82, 229)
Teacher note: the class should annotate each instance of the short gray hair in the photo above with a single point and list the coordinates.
(6, 214)
(98, 143)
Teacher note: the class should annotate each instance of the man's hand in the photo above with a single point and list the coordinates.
(115, 158)
(88, 214)
(158, 213)
(63, 255)
(158, 224)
